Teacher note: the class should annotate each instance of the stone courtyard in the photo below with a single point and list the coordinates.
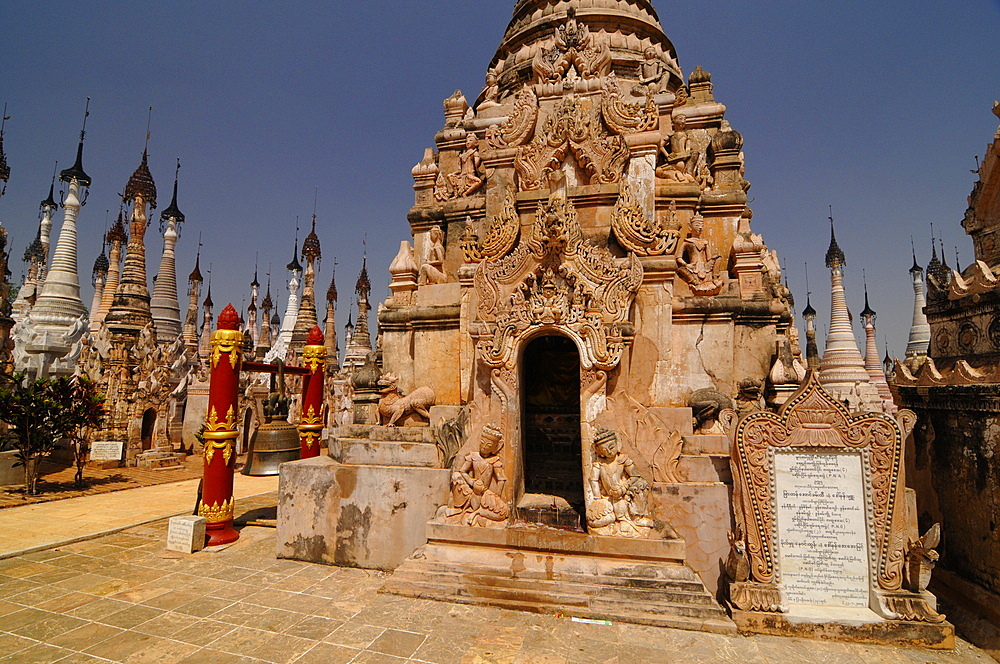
(124, 598)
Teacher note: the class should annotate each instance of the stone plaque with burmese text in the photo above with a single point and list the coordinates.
(822, 531)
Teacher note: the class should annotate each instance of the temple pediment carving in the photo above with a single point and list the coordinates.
(554, 280)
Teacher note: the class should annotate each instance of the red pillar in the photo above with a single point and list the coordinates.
(311, 426)
(220, 434)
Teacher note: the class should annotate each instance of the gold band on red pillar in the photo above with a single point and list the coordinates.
(311, 424)
(220, 434)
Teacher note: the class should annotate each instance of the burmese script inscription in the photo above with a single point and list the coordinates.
(822, 533)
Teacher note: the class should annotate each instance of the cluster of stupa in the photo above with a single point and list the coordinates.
(149, 361)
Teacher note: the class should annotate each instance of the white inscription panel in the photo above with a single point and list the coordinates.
(822, 533)
(106, 450)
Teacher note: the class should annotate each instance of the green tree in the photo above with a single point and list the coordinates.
(42, 413)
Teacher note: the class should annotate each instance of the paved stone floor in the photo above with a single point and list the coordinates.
(123, 598)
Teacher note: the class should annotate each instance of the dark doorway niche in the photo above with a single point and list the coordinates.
(148, 428)
(553, 465)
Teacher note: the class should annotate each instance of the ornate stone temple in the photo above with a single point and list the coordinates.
(581, 296)
(136, 350)
(954, 387)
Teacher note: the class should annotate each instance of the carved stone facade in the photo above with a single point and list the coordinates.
(563, 287)
(955, 390)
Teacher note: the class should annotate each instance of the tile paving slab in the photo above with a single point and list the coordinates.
(122, 598)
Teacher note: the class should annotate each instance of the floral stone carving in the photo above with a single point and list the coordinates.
(477, 484)
(617, 496)
(573, 128)
(518, 128)
(635, 232)
(554, 280)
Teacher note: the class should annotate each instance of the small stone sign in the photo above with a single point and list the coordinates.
(822, 534)
(106, 450)
(186, 534)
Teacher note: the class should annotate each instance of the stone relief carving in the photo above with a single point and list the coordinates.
(467, 180)
(642, 428)
(553, 279)
(617, 496)
(635, 232)
(813, 418)
(696, 263)
(393, 406)
(707, 404)
(491, 91)
(518, 128)
(678, 156)
(575, 47)
(573, 128)
(623, 117)
(652, 71)
(432, 271)
(477, 484)
(504, 231)
(921, 559)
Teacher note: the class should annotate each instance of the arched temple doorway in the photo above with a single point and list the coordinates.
(553, 465)
(148, 429)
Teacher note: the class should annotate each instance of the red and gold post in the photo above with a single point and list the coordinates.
(220, 434)
(311, 425)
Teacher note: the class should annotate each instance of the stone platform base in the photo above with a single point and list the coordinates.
(366, 516)
(940, 636)
(545, 570)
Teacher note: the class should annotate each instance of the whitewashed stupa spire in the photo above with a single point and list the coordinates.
(920, 331)
(873, 365)
(164, 306)
(842, 369)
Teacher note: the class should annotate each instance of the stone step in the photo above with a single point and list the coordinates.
(549, 571)
(705, 468)
(571, 569)
(366, 452)
(707, 443)
(375, 432)
(560, 585)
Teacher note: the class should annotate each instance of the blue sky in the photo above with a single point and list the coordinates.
(876, 108)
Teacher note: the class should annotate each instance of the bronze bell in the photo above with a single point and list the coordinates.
(275, 441)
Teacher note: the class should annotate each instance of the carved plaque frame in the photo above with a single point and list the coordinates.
(813, 420)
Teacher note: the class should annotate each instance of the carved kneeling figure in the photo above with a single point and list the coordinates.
(619, 495)
(477, 484)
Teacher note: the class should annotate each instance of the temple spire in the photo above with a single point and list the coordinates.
(164, 305)
(360, 344)
(130, 310)
(920, 331)
(307, 318)
(330, 336)
(194, 292)
(284, 337)
(809, 314)
(51, 333)
(873, 365)
(842, 369)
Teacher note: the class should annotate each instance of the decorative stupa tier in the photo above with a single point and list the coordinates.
(48, 339)
(252, 329)
(842, 369)
(266, 307)
(130, 311)
(307, 318)
(873, 365)
(330, 336)
(117, 237)
(359, 343)
(99, 278)
(283, 340)
(37, 255)
(164, 306)
(191, 318)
